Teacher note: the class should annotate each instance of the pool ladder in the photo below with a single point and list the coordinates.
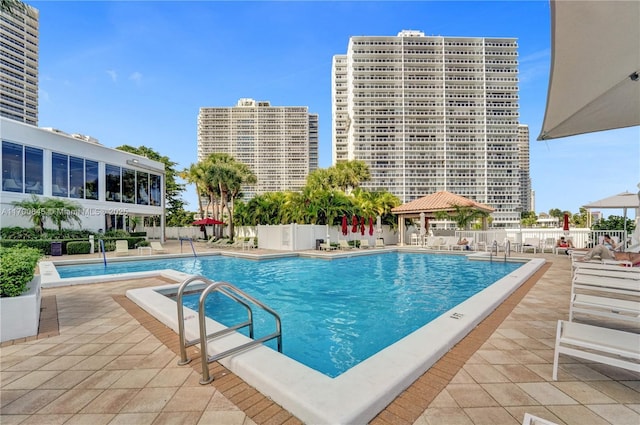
(507, 249)
(236, 295)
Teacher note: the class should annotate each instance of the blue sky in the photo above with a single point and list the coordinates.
(137, 73)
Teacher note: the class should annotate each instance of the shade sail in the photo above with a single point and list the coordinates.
(619, 201)
(595, 61)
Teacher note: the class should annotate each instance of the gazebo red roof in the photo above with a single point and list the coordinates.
(439, 201)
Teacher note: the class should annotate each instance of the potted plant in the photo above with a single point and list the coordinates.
(19, 293)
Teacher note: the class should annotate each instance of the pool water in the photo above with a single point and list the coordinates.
(335, 314)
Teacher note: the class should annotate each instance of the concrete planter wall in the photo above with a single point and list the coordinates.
(20, 316)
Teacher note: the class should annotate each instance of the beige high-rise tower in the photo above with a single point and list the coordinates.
(278, 143)
(19, 66)
(431, 113)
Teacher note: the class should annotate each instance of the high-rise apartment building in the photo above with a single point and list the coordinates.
(525, 176)
(19, 65)
(278, 143)
(431, 113)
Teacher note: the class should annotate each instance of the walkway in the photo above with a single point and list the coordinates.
(102, 360)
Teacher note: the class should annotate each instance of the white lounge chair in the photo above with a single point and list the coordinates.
(326, 247)
(379, 243)
(364, 243)
(122, 248)
(530, 244)
(596, 344)
(157, 247)
(343, 244)
(463, 247)
(530, 419)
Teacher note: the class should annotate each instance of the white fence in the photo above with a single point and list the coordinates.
(292, 237)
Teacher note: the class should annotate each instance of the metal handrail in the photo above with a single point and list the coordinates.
(507, 249)
(184, 343)
(104, 251)
(191, 243)
(227, 289)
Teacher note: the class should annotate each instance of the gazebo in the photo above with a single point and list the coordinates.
(427, 207)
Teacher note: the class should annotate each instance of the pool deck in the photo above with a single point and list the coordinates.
(100, 359)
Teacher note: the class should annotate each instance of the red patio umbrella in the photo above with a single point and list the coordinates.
(362, 226)
(354, 224)
(345, 229)
(207, 222)
(370, 226)
(565, 225)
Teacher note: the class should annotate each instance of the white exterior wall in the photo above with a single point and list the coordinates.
(94, 211)
(432, 113)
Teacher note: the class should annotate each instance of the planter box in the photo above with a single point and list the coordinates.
(20, 316)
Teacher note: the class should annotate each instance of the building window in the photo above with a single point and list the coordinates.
(143, 188)
(33, 160)
(76, 177)
(91, 179)
(112, 174)
(156, 192)
(128, 186)
(59, 174)
(11, 167)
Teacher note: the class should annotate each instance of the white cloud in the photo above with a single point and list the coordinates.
(113, 74)
(136, 77)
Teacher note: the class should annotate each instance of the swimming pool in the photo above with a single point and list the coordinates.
(355, 396)
(352, 307)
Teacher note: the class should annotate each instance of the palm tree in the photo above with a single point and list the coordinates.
(350, 174)
(36, 209)
(63, 211)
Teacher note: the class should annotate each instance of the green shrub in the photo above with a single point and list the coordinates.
(78, 247)
(138, 234)
(17, 268)
(143, 243)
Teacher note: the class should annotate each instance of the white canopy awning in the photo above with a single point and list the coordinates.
(595, 65)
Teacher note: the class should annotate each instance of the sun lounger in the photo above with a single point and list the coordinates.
(379, 243)
(326, 247)
(596, 344)
(364, 243)
(122, 248)
(343, 244)
(611, 308)
(463, 247)
(530, 419)
(157, 247)
(530, 244)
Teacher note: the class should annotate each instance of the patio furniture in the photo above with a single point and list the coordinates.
(597, 344)
(157, 247)
(122, 248)
(530, 244)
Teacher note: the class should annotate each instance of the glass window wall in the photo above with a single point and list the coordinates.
(112, 174)
(128, 186)
(11, 167)
(156, 192)
(143, 188)
(91, 179)
(76, 177)
(59, 174)
(33, 160)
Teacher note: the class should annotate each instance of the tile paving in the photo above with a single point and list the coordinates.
(99, 359)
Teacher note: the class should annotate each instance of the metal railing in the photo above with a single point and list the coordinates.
(236, 295)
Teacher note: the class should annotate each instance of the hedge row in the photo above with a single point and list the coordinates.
(17, 268)
(44, 246)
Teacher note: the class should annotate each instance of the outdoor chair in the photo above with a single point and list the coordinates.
(122, 248)
(379, 243)
(343, 244)
(364, 243)
(157, 247)
(530, 244)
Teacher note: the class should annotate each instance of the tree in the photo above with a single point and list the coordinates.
(61, 210)
(555, 212)
(614, 222)
(174, 204)
(34, 207)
